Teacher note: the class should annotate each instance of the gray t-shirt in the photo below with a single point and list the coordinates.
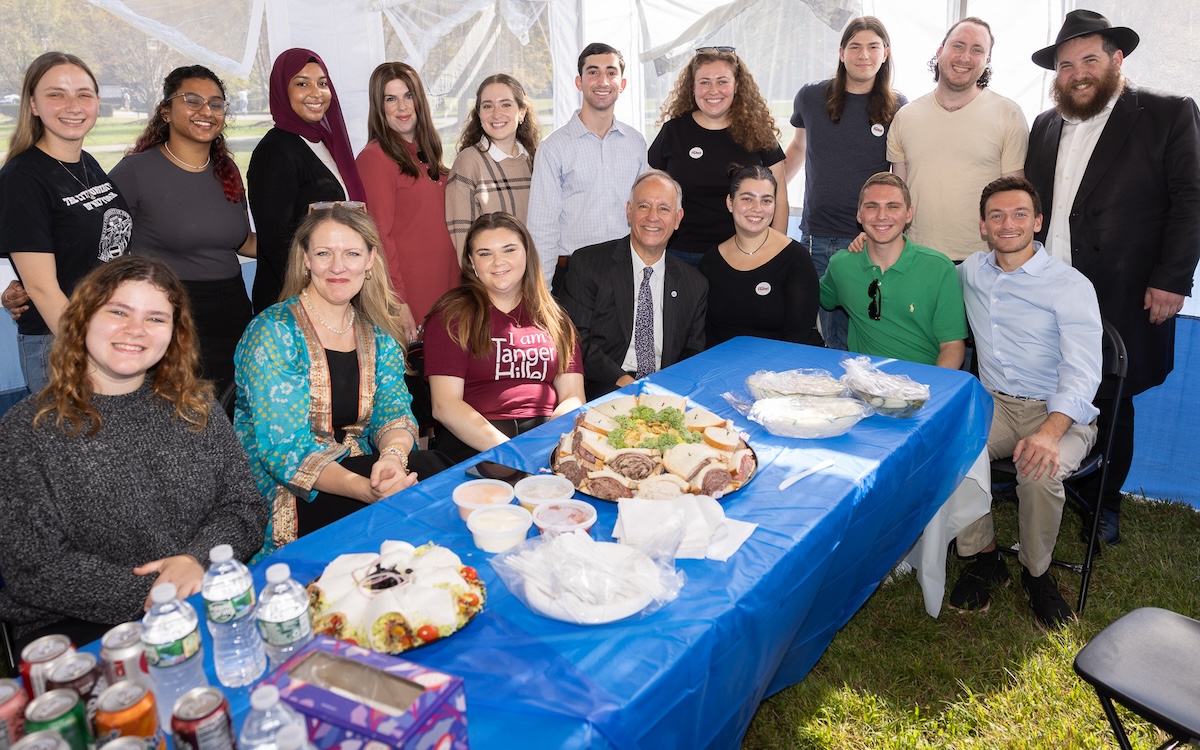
(838, 161)
(181, 218)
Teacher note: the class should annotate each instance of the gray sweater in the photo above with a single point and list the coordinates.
(77, 514)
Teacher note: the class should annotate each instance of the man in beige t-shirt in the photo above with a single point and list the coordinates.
(950, 143)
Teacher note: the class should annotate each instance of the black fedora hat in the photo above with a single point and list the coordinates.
(1082, 23)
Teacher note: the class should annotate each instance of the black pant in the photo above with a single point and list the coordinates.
(1119, 459)
(326, 507)
(221, 310)
(458, 451)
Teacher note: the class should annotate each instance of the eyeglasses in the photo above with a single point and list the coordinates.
(876, 291)
(195, 102)
(326, 205)
(717, 49)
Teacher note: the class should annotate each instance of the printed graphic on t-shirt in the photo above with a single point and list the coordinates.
(525, 354)
(114, 235)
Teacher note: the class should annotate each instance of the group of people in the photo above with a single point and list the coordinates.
(540, 274)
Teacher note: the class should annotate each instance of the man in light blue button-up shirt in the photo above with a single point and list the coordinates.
(1038, 335)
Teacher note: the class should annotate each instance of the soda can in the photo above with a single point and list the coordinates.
(39, 659)
(60, 711)
(42, 741)
(127, 709)
(12, 713)
(82, 673)
(202, 721)
(125, 743)
(122, 654)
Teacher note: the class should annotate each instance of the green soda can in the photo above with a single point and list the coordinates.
(63, 712)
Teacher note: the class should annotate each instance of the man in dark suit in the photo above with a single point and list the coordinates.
(636, 308)
(1119, 169)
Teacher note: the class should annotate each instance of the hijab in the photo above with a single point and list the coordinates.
(331, 130)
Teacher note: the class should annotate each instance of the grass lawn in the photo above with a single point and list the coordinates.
(896, 678)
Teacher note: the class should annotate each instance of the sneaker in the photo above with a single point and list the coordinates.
(973, 590)
(1051, 610)
(1110, 528)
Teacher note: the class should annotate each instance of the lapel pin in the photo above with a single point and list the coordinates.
(674, 293)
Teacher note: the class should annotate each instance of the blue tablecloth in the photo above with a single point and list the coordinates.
(692, 674)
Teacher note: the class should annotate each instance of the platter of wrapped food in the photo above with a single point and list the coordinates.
(396, 600)
(890, 395)
(653, 446)
(808, 416)
(802, 382)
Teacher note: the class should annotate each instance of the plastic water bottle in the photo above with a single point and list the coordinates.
(292, 737)
(267, 716)
(171, 643)
(228, 591)
(284, 621)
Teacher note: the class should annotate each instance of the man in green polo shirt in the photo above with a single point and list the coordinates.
(903, 300)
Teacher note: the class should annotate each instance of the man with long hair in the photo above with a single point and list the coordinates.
(841, 140)
(1119, 168)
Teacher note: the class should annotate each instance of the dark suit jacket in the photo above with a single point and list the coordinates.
(598, 295)
(1135, 222)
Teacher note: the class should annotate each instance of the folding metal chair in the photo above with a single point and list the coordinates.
(1115, 366)
(1149, 662)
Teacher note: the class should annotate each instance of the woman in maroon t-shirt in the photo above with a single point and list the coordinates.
(501, 356)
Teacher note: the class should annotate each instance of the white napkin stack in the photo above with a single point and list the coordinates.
(707, 533)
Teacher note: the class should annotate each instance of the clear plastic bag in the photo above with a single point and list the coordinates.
(801, 382)
(573, 578)
(890, 395)
(809, 416)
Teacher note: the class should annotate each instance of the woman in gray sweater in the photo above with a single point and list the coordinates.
(122, 473)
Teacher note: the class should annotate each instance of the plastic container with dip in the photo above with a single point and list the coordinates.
(559, 516)
(480, 493)
(499, 527)
(542, 488)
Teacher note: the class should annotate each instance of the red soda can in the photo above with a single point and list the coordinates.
(12, 713)
(121, 652)
(82, 673)
(127, 709)
(42, 741)
(60, 711)
(39, 659)
(202, 721)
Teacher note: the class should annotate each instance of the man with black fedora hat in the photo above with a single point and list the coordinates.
(1119, 170)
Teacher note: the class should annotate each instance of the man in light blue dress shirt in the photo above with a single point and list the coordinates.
(1038, 343)
(584, 170)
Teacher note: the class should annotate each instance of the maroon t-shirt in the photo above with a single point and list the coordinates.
(516, 381)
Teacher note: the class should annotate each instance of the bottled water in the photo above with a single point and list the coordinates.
(228, 591)
(266, 718)
(171, 643)
(292, 737)
(283, 617)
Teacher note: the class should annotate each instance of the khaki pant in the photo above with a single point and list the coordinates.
(1041, 501)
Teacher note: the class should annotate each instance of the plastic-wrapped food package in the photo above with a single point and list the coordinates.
(890, 395)
(802, 382)
(809, 416)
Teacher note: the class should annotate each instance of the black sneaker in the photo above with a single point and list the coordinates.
(1051, 610)
(973, 590)
(1110, 529)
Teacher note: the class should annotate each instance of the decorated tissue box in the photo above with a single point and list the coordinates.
(355, 698)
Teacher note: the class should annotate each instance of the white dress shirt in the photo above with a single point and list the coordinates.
(658, 281)
(1075, 149)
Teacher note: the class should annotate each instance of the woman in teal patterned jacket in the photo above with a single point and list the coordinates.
(322, 408)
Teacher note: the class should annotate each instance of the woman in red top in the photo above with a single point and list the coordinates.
(501, 356)
(402, 171)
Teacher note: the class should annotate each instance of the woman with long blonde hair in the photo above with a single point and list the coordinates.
(715, 116)
(501, 355)
(322, 407)
(121, 473)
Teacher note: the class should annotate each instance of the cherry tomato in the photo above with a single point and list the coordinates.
(468, 573)
(427, 633)
(469, 600)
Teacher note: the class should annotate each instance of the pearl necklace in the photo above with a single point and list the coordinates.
(766, 236)
(313, 310)
(184, 163)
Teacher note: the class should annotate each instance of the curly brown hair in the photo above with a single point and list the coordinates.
(465, 309)
(529, 132)
(158, 130)
(750, 120)
(67, 399)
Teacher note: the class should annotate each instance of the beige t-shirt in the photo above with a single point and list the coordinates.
(950, 157)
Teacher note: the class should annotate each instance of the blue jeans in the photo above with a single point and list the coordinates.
(835, 324)
(35, 360)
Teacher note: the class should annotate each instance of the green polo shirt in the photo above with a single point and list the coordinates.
(922, 303)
